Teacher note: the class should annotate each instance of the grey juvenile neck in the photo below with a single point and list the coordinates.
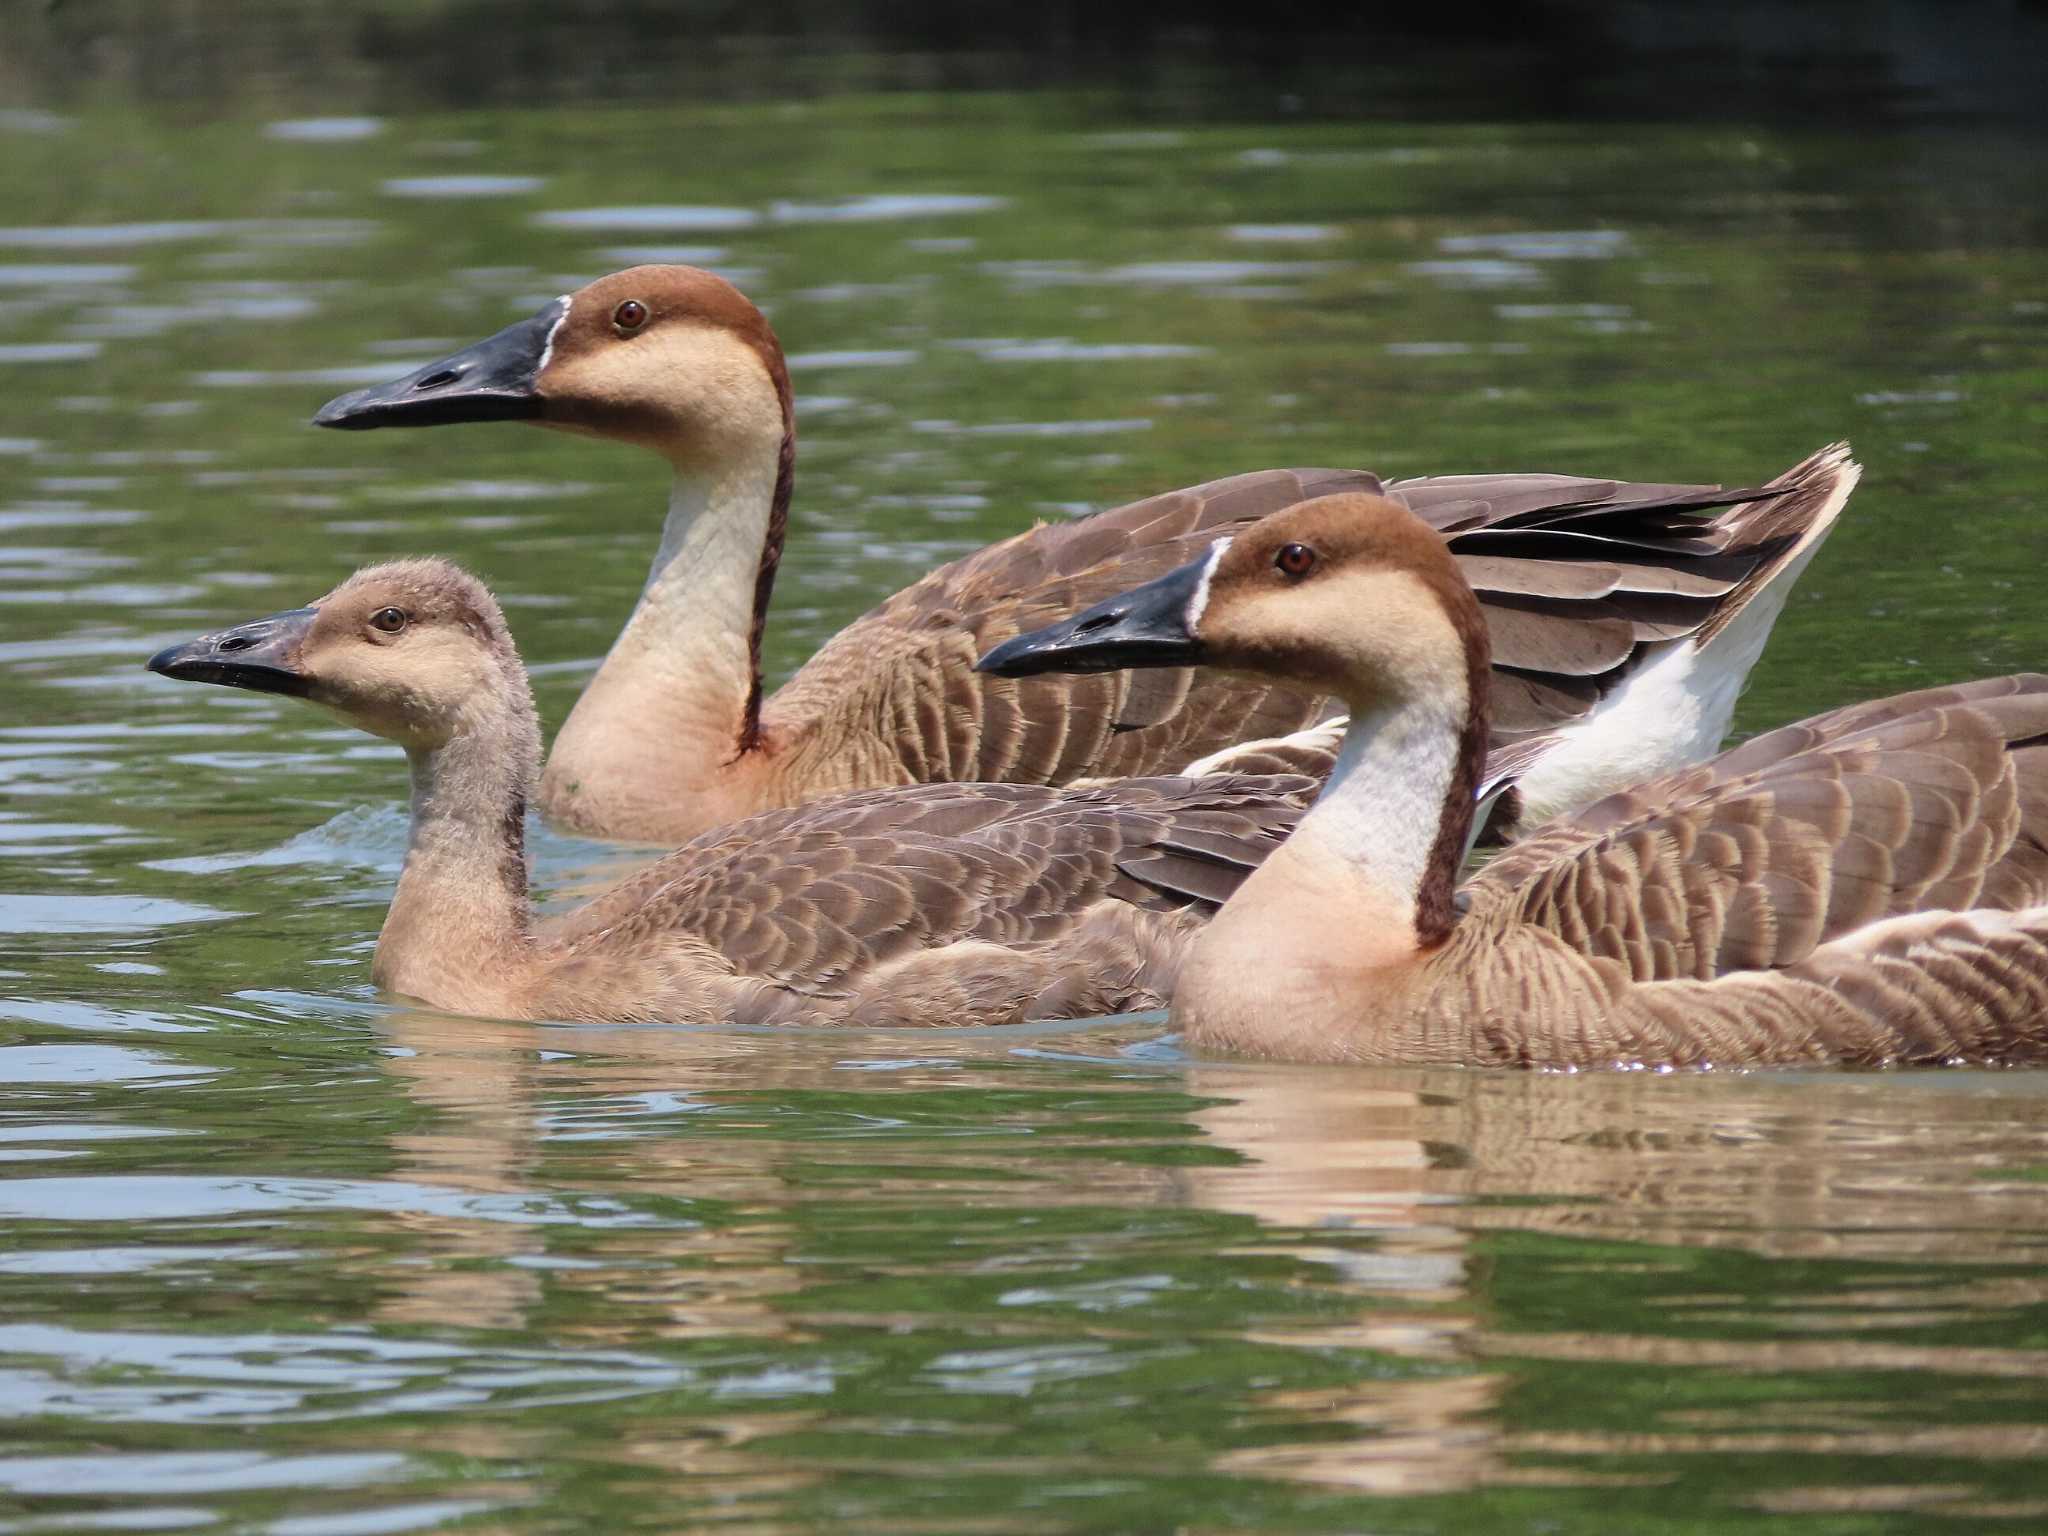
(462, 896)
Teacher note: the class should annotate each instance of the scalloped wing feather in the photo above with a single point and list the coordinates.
(1775, 850)
(824, 902)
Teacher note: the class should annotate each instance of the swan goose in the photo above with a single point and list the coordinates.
(1869, 886)
(948, 904)
(1605, 598)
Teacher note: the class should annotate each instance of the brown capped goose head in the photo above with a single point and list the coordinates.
(1351, 595)
(1355, 596)
(415, 651)
(672, 358)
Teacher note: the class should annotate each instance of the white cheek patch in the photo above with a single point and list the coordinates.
(547, 347)
(1199, 603)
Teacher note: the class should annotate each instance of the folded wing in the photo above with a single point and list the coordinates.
(1930, 801)
(1578, 577)
(817, 899)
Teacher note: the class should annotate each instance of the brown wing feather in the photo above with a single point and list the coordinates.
(1947, 987)
(1577, 576)
(878, 673)
(816, 899)
(1758, 859)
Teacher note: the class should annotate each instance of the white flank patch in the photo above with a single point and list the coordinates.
(1674, 709)
(1199, 603)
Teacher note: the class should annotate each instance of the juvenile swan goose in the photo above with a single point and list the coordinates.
(1869, 886)
(935, 904)
(1590, 586)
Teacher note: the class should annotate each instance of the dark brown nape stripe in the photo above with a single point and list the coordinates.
(764, 342)
(512, 856)
(1436, 911)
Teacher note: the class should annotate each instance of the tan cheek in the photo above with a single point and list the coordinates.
(685, 387)
(1342, 630)
(324, 654)
(1414, 645)
(362, 671)
(1275, 639)
(715, 375)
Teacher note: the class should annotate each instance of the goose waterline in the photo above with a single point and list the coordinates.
(1866, 887)
(1625, 615)
(946, 904)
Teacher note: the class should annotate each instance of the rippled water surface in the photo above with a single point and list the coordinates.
(280, 1257)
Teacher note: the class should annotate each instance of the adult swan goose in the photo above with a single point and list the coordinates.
(1587, 585)
(932, 904)
(1869, 886)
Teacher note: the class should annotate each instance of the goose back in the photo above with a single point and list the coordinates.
(1577, 577)
(902, 675)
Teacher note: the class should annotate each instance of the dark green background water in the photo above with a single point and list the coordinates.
(278, 1257)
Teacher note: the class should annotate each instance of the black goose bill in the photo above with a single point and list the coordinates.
(262, 656)
(497, 379)
(1148, 626)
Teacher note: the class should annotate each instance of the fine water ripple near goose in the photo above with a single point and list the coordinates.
(1869, 886)
(1625, 616)
(945, 904)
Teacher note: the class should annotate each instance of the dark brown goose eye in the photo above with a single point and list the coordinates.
(1295, 560)
(389, 620)
(630, 315)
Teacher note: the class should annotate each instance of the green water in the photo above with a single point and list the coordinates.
(281, 1258)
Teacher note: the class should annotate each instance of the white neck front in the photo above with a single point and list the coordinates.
(1379, 814)
(676, 683)
(1345, 884)
(1337, 900)
(698, 603)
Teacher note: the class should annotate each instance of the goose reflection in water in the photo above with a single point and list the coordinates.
(1419, 1215)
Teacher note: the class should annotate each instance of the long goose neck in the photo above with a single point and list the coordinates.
(462, 908)
(1310, 957)
(696, 631)
(708, 591)
(1392, 823)
(771, 561)
(677, 702)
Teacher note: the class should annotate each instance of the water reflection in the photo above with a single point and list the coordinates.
(886, 205)
(1437, 1165)
(1409, 1193)
(324, 130)
(783, 1254)
(464, 186)
(648, 220)
(1543, 245)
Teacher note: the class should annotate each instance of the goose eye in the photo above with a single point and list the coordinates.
(1295, 560)
(389, 620)
(630, 315)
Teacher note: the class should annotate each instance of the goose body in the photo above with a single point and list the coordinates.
(1625, 615)
(944, 904)
(1866, 887)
